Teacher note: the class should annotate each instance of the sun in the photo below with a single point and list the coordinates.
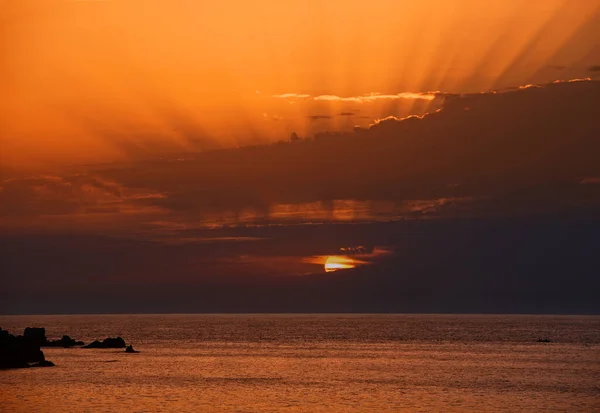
(338, 262)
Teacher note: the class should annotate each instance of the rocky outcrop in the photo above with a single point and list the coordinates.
(38, 335)
(109, 342)
(129, 349)
(65, 341)
(22, 351)
(35, 335)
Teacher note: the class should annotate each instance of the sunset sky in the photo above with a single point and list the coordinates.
(233, 148)
(87, 81)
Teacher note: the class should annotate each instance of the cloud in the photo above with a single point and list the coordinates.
(71, 195)
(517, 151)
(346, 114)
(377, 96)
(594, 68)
(178, 239)
(590, 180)
(338, 98)
(392, 118)
(504, 151)
(291, 96)
(529, 86)
(371, 97)
(584, 79)
(275, 118)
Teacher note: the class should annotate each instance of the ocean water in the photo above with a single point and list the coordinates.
(313, 363)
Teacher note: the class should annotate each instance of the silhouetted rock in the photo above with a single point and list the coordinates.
(130, 349)
(65, 341)
(22, 351)
(109, 342)
(35, 334)
(544, 340)
(38, 335)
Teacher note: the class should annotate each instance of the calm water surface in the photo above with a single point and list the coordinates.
(313, 363)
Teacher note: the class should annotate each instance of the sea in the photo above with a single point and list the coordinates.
(312, 363)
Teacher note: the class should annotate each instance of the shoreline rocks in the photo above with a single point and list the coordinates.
(38, 335)
(129, 349)
(22, 351)
(110, 342)
(25, 351)
(65, 341)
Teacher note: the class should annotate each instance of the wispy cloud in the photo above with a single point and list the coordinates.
(276, 118)
(74, 194)
(529, 86)
(397, 119)
(338, 98)
(291, 96)
(174, 239)
(377, 96)
(371, 97)
(590, 180)
(585, 79)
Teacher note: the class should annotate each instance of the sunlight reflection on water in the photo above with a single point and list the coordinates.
(313, 363)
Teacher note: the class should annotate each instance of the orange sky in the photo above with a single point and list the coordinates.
(87, 81)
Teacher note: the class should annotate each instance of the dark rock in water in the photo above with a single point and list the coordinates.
(22, 351)
(130, 349)
(38, 335)
(35, 334)
(110, 342)
(65, 341)
(544, 340)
